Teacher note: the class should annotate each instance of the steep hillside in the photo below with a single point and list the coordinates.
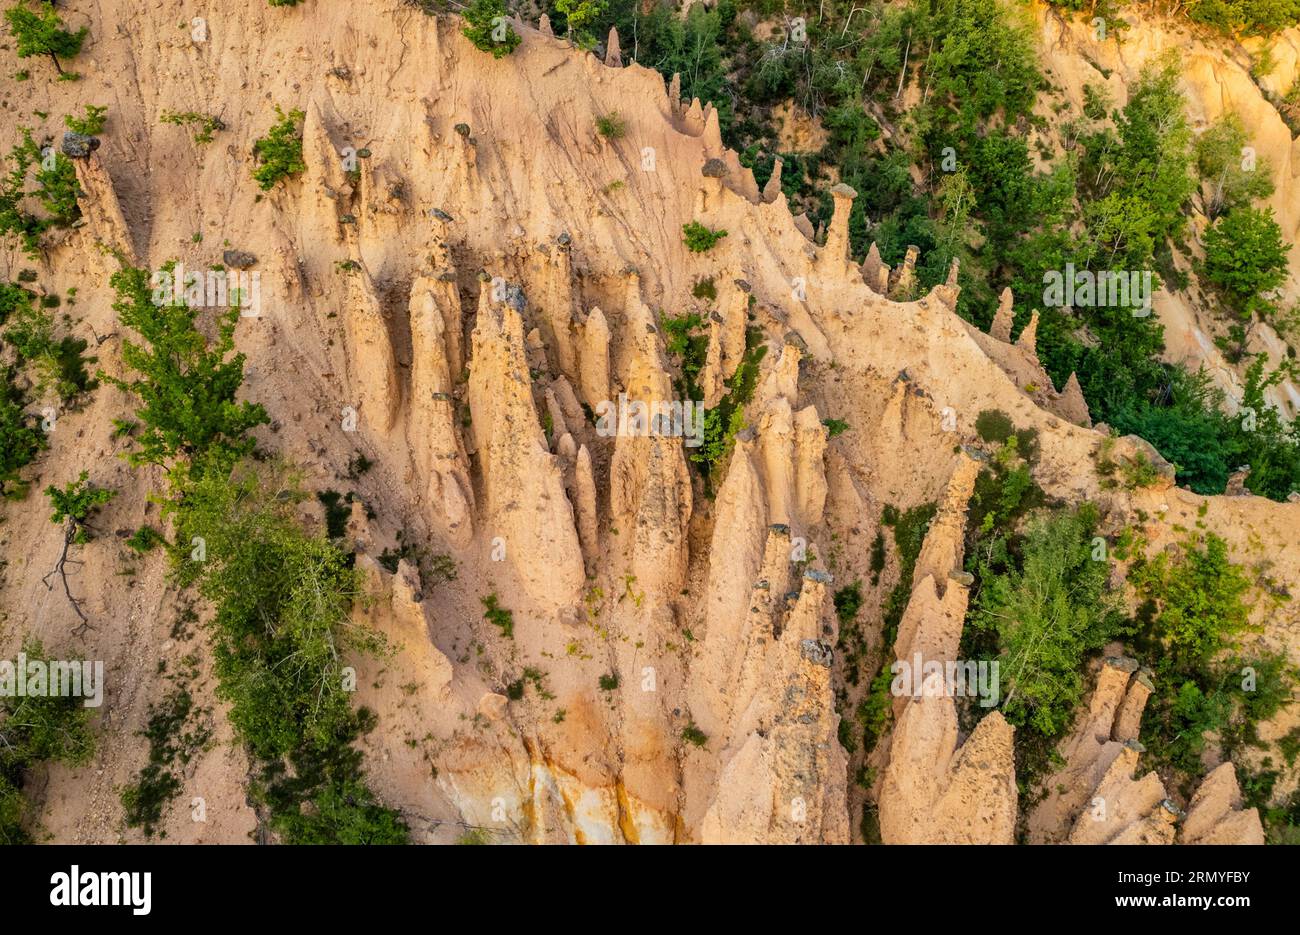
(591, 635)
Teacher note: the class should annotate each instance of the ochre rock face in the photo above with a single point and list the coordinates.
(460, 308)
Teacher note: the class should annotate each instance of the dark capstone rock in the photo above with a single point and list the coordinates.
(79, 145)
(238, 259)
(742, 285)
(515, 297)
(813, 574)
(463, 129)
(441, 215)
(714, 169)
(564, 239)
(817, 652)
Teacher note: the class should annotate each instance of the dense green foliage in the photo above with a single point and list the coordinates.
(578, 16)
(699, 238)
(36, 730)
(279, 153)
(498, 616)
(1042, 605)
(1246, 258)
(723, 421)
(283, 596)
(1050, 610)
(489, 27)
(908, 529)
(611, 126)
(282, 626)
(1251, 17)
(56, 191)
(990, 194)
(1232, 178)
(1193, 605)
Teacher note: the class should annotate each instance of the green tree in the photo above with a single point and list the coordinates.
(1232, 177)
(489, 27)
(1246, 257)
(186, 384)
(1048, 614)
(75, 503)
(41, 32)
(579, 15)
(282, 626)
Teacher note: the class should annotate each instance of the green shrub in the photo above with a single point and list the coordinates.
(609, 683)
(20, 440)
(611, 126)
(489, 27)
(56, 190)
(1219, 162)
(994, 425)
(848, 601)
(279, 153)
(145, 539)
(694, 736)
(684, 338)
(1246, 257)
(705, 289)
(52, 363)
(723, 421)
(207, 124)
(699, 238)
(835, 427)
(498, 616)
(92, 124)
(283, 624)
(579, 15)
